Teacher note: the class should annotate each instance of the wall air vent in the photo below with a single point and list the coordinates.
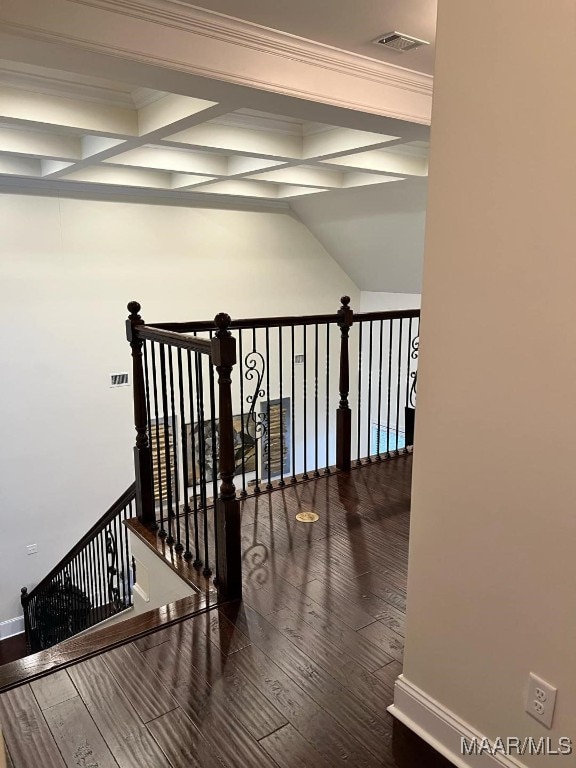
(119, 380)
(397, 41)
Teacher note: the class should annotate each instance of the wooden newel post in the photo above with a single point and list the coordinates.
(145, 508)
(229, 551)
(344, 414)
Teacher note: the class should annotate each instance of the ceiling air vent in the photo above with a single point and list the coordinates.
(400, 42)
(119, 380)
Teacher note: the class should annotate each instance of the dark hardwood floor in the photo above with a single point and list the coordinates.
(298, 675)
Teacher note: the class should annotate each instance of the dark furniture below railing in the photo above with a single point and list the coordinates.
(90, 584)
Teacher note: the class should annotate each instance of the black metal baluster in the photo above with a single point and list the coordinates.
(269, 485)
(398, 384)
(316, 439)
(369, 422)
(167, 457)
(162, 531)
(408, 358)
(380, 392)
(120, 574)
(293, 392)
(92, 561)
(304, 383)
(359, 419)
(184, 449)
(128, 564)
(202, 456)
(243, 426)
(390, 339)
(214, 428)
(147, 388)
(257, 433)
(282, 440)
(327, 467)
(197, 560)
(176, 476)
(97, 608)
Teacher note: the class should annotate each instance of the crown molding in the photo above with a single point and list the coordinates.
(206, 23)
(67, 87)
(230, 50)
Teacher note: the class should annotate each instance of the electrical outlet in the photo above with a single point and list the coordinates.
(31, 549)
(540, 700)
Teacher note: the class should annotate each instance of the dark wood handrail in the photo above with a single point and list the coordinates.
(272, 322)
(391, 314)
(128, 496)
(252, 322)
(163, 336)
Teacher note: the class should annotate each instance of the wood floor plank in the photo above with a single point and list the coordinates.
(343, 609)
(389, 673)
(77, 736)
(291, 750)
(225, 636)
(211, 683)
(352, 714)
(337, 745)
(124, 733)
(25, 730)
(144, 690)
(182, 742)
(378, 586)
(366, 653)
(385, 638)
(341, 665)
(53, 689)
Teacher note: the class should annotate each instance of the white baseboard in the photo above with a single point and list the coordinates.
(441, 728)
(11, 627)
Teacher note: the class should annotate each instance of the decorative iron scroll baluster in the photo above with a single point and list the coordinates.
(256, 426)
(114, 574)
(414, 346)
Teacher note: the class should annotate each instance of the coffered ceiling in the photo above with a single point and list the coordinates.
(88, 133)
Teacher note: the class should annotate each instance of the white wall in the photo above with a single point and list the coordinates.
(67, 270)
(376, 233)
(380, 301)
(492, 576)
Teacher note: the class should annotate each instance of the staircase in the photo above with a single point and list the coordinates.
(226, 410)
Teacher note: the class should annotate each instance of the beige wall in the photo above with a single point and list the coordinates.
(492, 582)
(67, 270)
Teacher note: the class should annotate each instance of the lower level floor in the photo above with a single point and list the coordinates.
(298, 674)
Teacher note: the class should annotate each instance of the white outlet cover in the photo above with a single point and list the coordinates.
(31, 549)
(540, 700)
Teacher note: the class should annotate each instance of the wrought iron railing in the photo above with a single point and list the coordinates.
(90, 584)
(184, 454)
(309, 393)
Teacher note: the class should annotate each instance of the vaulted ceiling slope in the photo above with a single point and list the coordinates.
(376, 234)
